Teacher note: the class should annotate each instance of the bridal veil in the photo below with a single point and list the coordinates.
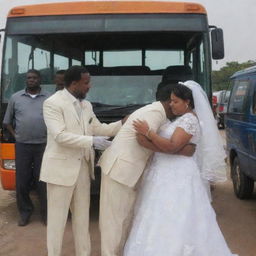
(210, 152)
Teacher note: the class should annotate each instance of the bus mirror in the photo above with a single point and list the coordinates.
(217, 44)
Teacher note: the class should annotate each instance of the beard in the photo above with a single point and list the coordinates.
(80, 95)
(33, 88)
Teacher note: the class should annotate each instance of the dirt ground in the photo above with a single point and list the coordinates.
(31, 239)
(236, 218)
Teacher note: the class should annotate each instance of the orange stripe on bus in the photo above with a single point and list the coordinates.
(7, 151)
(106, 7)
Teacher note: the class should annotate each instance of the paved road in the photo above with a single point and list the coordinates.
(237, 220)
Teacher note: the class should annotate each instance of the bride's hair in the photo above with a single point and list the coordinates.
(184, 93)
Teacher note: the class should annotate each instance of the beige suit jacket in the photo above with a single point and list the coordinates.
(125, 160)
(69, 138)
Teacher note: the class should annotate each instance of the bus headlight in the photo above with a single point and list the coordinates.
(9, 164)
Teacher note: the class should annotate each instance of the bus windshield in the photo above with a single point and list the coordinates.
(121, 74)
(123, 78)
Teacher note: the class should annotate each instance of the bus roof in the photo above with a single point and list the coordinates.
(106, 7)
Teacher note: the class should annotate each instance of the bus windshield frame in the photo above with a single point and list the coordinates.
(125, 54)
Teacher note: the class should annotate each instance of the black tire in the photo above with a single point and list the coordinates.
(219, 123)
(242, 184)
(221, 126)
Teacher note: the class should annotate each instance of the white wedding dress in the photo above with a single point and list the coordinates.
(173, 214)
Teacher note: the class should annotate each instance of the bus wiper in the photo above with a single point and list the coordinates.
(100, 105)
(108, 109)
(125, 108)
(129, 106)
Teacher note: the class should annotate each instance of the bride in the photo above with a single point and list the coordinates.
(173, 214)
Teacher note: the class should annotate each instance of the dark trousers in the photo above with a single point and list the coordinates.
(28, 165)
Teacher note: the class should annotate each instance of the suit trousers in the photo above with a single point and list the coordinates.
(77, 199)
(28, 164)
(116, 214)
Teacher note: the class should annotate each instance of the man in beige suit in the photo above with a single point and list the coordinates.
(69, 158)
(122, 166)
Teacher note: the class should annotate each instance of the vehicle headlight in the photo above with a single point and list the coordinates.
(9, 164)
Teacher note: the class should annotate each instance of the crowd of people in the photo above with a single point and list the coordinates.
(154, 196)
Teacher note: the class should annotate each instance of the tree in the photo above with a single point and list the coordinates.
(221, 78)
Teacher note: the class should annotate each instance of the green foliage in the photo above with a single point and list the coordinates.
(220, 78)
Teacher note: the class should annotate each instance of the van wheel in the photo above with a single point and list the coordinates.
(221, 126)
(243, 185)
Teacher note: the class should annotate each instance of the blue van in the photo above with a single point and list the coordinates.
(240, 123)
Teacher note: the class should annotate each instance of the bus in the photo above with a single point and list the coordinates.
(127, 46)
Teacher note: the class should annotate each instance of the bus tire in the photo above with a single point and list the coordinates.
(242, 184)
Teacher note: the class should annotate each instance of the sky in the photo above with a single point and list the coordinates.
(236, 17)
(238, 20)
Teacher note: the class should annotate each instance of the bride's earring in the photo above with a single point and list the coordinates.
(186, 106)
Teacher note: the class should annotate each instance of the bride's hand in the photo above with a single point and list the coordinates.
(141, 127)
(141, 139)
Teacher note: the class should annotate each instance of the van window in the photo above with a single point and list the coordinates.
(254, 102)
(238, 96)
(225, 96)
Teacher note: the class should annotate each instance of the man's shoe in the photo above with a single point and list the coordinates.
(23, 222)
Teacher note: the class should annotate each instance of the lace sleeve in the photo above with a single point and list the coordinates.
(188, 123)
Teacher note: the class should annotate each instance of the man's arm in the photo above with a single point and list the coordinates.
(187, 150)
(8, 118)
(103, 129)
(146, 143)
(10, 129)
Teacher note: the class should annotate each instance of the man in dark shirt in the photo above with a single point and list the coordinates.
(59, 80)
(24, 120)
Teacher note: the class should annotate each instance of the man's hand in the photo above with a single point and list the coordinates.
(11, 130)
(188, 150)
(101, 142)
